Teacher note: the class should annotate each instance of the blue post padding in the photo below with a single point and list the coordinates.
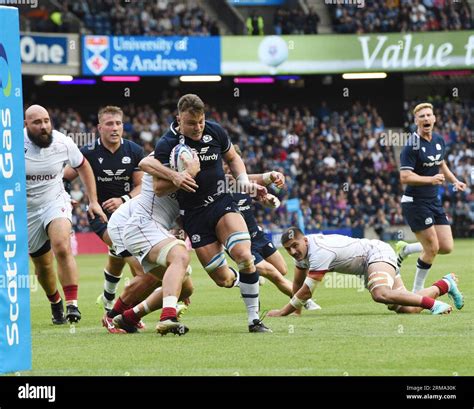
(15, 331)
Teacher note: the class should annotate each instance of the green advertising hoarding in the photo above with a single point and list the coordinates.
(318, 54)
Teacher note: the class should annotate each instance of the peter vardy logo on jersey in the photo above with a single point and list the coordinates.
(117, 175)
(207, 138)
(202, 154)
(109, 172)
(434, 160)
(126, 160)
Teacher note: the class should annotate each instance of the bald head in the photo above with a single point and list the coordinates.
(38, 126)
(34, 111)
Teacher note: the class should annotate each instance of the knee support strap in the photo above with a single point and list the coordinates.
(378, 279)
(235, 238)
(246, 264)
(161, 259)
(311, 283)
(217, 261)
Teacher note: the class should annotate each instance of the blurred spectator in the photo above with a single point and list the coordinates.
(254, 24)
(115, 17)
(384, 16)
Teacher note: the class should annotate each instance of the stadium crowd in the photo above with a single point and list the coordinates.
(115, 17)
(383, 16)
(333, 160)
(293, 21)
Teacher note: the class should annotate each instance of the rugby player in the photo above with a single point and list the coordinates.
(210, 216)
(126, 315)
(114, 161)
(146, 236)
(49, 209)
(268, 260)
(423, 169)
(317, 254)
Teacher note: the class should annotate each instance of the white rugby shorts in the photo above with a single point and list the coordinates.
(140, 235)
(40, 217)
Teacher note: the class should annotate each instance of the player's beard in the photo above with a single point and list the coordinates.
(43, 140)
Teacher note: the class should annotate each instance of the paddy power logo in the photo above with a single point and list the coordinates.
(5, 75)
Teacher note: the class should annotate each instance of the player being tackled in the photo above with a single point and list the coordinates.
(317, 254)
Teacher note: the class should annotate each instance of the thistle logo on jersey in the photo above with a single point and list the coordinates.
(207, 138)
(196, 238)
(126, 160)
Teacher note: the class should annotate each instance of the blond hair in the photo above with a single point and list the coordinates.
(421, 106)
(110, 109)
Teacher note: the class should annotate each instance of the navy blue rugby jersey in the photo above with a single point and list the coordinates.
(244, 204)
(113, 171)
(214, 143)
(423, 158)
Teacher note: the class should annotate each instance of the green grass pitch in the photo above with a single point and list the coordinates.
(351, 335)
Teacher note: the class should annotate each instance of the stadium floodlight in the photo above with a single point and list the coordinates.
(364, 75)
(254, 80)
(57, 77)
(79, 81)
(200, 78)
(121, 78)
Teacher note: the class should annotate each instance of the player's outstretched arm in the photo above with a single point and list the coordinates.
(298, 278)
(181, 180)
(407, 177)
(87, 177)
(270, 201)
(237, 167)
(267, 178)
(296, 303)
(163, 187)
(458, 185)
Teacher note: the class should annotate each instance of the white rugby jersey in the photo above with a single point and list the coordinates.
(164, 210)
(123, 214)
(335, 252)
(45, 168)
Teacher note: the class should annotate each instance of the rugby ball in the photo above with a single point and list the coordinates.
(178, 153)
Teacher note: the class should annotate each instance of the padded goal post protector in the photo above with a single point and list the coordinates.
(15, 329)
